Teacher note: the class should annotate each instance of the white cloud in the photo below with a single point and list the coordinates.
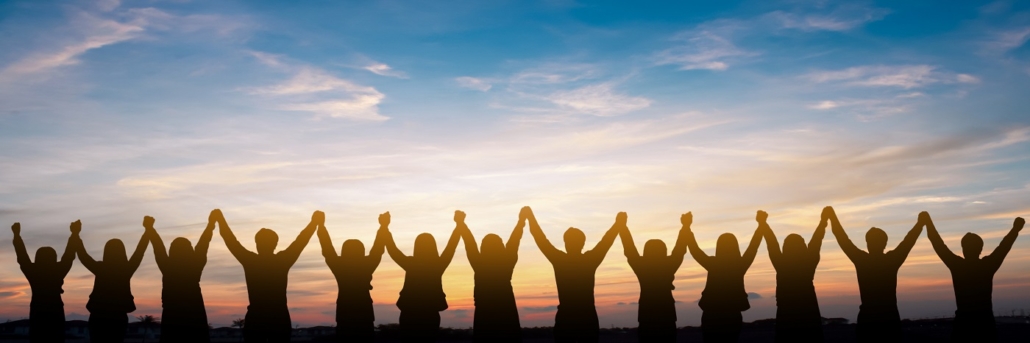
(704, 49)
(599, 100)
(473, 83)
(904, 76)
(384, 70)
(315, 90)
(358, 107)
(1008, 40)
(966, 78)
(841, 19)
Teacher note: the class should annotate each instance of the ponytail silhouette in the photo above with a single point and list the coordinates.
(46, 279)
(973, 278)
(496, 316)
(422, 297)
(111, 299)
(574, 270)
(878, 318)
(797, 307)
(183, 317)
(355, 319)
(724, 298)
(267, 273)
(656, 271)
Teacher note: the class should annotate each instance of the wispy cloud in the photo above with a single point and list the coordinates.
(385, 70)
(598, 99)
(705, 49)
(841, 18)
(469, 82)
(315, 90)
(904, 76)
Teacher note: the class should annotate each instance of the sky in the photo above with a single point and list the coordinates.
(111, 110)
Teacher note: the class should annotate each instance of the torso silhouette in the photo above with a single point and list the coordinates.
(794, 285)
(266, 277)
(181, 297)
(724, 289)
(574, 278)
(423, 285)
(111, 289)
(493, 279)
(878, 281)
(47, 284)
(354, 281)
(974, 284)
(656, 277)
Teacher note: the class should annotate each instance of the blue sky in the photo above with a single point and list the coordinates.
(111, 110)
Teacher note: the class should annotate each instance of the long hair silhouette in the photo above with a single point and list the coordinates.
(656, 314)
(111, 299)
(576, 318)
(496, 317)
(355, 319)
(46, 280)
(724, 298)
(422, 297)
(973, 278)
(183, 318)
(878, 317)
(797, 307)
(267, 273)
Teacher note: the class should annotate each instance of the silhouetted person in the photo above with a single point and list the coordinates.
(267, 272)
(111, 300)
(46, 279)
(878, 318)
(355, 320)
(183, 318)
(576, 319)
(724, 298)
(496, 318)
(973, 278)
(422, 297)
(656, 313)
(797, 308)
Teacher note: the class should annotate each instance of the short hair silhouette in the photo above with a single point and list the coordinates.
(355, 318)
(183, 316)
(655, 271)
(111, 298)
(878, 317)
(574, 270)
(973, 278)
(46, 281)
(496, 316)
(797, 307)
(422, 297)
(267, 273)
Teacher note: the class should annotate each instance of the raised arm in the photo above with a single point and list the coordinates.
(996, 257)
(770, 238)
(752, 249)
(849, 248)
(65, 265)
(327, 244)
(471, 250)
(901, 252)
(84, 258)
(815, 244)
(629, 248)
(200, 250)
(160, 254)
(948, 257)
(292, 252)
(19, 247)
(516, 234)
(601, 249)
(391, 247)
(680, 249)
(549, 251)
(375, 255)
(452, 243)
(695, 251)
(235, 248)
(141, 247)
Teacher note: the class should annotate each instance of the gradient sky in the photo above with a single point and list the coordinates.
(113, 110)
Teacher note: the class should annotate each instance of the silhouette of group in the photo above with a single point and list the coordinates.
(496, 318)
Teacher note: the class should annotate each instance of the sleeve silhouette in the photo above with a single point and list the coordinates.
(601, 249)
(771, 243)
(141, 249)
(235, 248)
(849, 248)
(87, 261)
(629, 248)
(65, 265)
(996, 257)
(19, 248)
(375, 255)
(471, 251)
(680, 249)
(516, 237)
(752, 250)
(452, 246)
(815, 244)
(901, 252)
(292, 252)
(699, 255)
(200, 250)
(549, 251)
(327, 244)
(949, 258)
(160, 254)
(396, 254)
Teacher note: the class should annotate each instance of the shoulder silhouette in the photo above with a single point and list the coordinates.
(355, 319)
(183, 316)
(724, 298)
(422, 297)
(656, 270)
(266, 273)
(973, 278)
(576, 318)
(46, 280)
(496, 317)
(111, 298)
(797, 307)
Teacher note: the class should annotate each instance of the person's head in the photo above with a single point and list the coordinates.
(352, 248)
(794, 245)
(492, 245)
(266, 241)
(727, 246)
(876, 240)
(114, 251)
(655, 248)
(46, 256)
(972, 245)
(574, 240)
(425, 246)
(181, 248)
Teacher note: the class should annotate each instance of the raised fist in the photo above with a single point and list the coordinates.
(76, 226)
(384, 219)
(148, 222)
(761, 216)
(686, 219)
(16, 228)
(459, 217)
(318, 218)
(620, 219)
(1018, 224)
(525, 212)
(827, 213)
(924, 217)
(215, 216)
